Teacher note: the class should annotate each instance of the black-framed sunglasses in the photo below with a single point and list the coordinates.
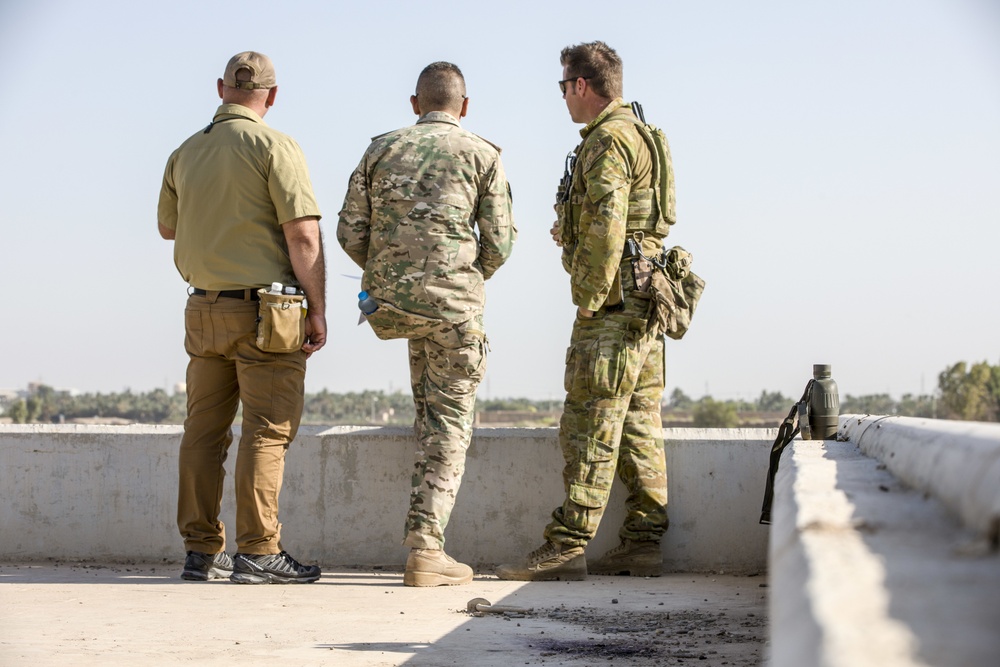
(562, 84)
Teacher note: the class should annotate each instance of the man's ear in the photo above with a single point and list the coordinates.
(271, 94)
(219, 86)
(415, 103)
(465, 108)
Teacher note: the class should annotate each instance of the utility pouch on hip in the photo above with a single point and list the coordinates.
(389, 322)
(676, 290)
(281, 322)
(642, 273)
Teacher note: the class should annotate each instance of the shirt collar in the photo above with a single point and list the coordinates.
(438, 117)
(614, 105)
(237, 110)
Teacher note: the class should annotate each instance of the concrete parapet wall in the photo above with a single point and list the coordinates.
(108, 494)
(878, 554)
(957, 462)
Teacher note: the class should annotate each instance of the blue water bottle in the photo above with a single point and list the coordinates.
(366, 304)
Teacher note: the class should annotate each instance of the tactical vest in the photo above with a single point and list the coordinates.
(651, 211)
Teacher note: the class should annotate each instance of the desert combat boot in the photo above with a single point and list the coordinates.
(550, 562)
(433, 567)
(637, 559)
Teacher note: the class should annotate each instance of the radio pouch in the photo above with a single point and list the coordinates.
(281, 323)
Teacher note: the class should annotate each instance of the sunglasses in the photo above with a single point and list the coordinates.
(562, 84)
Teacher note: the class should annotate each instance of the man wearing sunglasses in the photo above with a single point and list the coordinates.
(610, 221)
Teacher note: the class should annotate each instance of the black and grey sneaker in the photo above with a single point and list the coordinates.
(272, 569)
(200, 566)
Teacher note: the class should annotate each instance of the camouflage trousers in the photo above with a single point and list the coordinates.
(446, 366)
(611, 423)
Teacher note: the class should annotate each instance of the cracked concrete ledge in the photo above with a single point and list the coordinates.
(958, 462)
(867, 571)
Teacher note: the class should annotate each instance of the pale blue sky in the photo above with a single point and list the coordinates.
(837, 177)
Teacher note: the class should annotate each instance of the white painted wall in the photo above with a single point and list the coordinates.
(108, 494)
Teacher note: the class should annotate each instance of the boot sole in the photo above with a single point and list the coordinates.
(629, 571)
(198, 575)
(268, 578)
(565, 575)
(427, 579)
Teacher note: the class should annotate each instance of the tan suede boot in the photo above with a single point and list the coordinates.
(637, 559)
(433, 567)
(550, 562)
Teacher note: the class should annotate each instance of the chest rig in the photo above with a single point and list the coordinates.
(651, 210)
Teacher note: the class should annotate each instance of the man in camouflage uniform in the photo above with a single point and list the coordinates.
(614, 367)
(428, 217)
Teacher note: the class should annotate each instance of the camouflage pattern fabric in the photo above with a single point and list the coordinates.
(614, 366)
(411, 215)
(427, 215)
(611, 422)
(446, 368)
(611, 195)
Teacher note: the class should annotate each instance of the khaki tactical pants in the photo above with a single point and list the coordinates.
(446, 366)
(226, 367)
(611, 422)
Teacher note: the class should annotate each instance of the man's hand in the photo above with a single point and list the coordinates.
(556, 236)
(315, 333)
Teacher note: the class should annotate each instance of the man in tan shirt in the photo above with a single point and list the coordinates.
(237, 201)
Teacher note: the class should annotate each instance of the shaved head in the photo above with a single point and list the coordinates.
(441, 87)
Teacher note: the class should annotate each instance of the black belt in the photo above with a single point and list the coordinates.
(232, 293)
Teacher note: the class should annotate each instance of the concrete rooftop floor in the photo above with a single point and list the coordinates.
(87, 614)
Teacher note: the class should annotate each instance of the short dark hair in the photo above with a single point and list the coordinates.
(441, 86)
(599, 63)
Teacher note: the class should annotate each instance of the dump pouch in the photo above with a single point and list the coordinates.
(281, 323)
(389, 322)
(676, 291)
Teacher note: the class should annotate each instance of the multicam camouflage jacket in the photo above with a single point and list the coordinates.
(428, 217)
(610, 195)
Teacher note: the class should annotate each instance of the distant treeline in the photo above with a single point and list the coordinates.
(964, 393)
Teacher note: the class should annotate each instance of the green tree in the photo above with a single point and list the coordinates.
(872, 404)
(917, 406)
(679, 400)
(18, 411)
(970, 393)
(773, 402)
(709, 413)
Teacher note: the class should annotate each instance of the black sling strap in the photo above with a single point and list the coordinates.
(796, 420)
(215, 122)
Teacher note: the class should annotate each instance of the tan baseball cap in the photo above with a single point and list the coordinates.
(260, 68)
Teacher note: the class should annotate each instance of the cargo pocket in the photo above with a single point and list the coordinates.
(590, 497)
(570, 373)
(610, 361)
(594, 475)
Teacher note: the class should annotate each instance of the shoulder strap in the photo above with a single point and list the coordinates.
(659, 152)
(216, 122)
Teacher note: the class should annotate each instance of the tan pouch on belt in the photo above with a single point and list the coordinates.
(281, 322)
